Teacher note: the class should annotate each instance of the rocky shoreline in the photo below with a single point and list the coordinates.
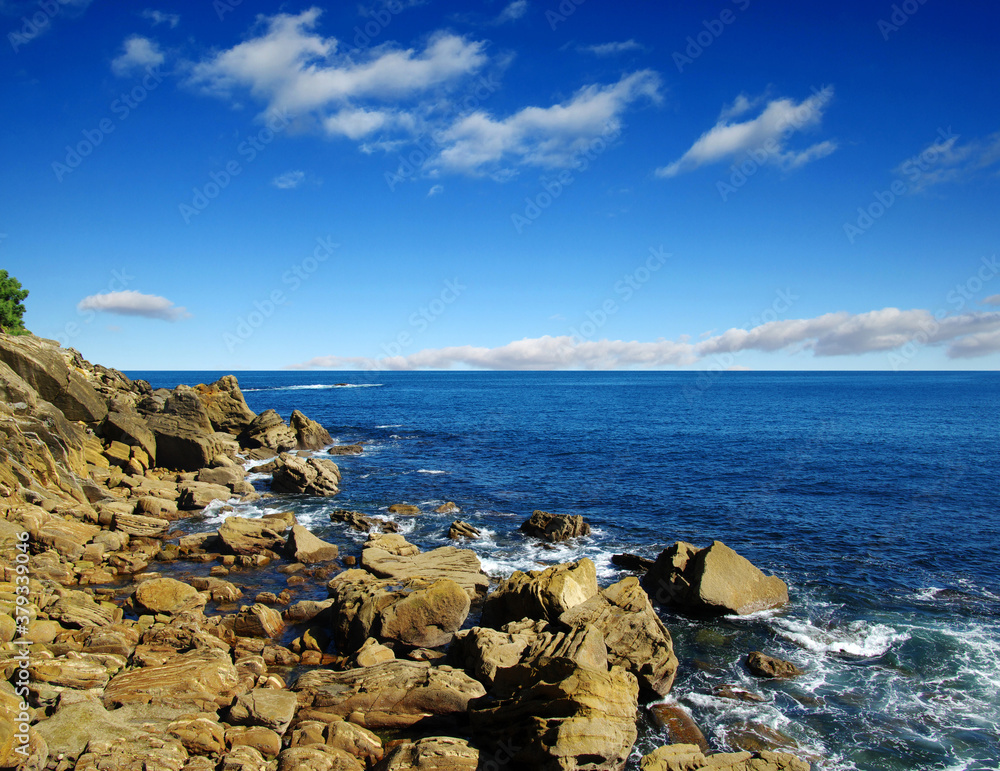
(412, 660)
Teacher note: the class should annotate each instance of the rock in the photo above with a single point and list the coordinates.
(679, 725)
(483, 652)
(222, 476)
(185, 438)
(636, 637)
(541, 594)
(264, 707)
(431, 753)
(258, 620)
(81, 610)
(242, 535)
(309, 434)
(460, 529)
(204, 680)
(354, 740)
(393, 543)
(309, 476)
(243, 758)
(317, 758)
(40, 364)
(449, 507)
(714, 580)
(689, 757)
(415, 612)
(264, 740)
(736, 693)
(165, 595)
(139, 525)
(268, 430)
(354, 519)
(225, 406)
(345, 449)
(79, 671)
(195, 496)
(763, 665)
(555, 714)
(407, 509)
(142, 752)
(459, 565)
(632, 562)
(555, 527)
(396, 694)
(370, 653)
(131, 429)
(202, 735)
(303, 546)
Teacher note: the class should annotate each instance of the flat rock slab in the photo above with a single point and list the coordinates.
(200, 680)
(460, 565)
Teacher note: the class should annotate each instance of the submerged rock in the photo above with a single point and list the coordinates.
(763, 665)
(714, 580)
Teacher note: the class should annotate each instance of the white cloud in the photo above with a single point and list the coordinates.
(992, 300)
(435, 190)
(289, 180)
(950, 160)
(545, 136)
(832, 334)
(513, 12)
(610, 49)
(131, 303)
(139, 54)
(768, 132)
(158, 17)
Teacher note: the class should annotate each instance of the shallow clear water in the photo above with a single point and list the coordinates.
(873, 495)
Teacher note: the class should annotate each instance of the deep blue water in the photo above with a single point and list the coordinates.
(875, 496)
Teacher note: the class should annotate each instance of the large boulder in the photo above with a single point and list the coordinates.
(309, 435)
(225, 406)
(483, 652)
(395, 694)
(245, 536)
(200, 680)
(130, 428)
(431, 753)
(268, 707)
(194, 496)
(304, 547)
(416, 612)
(689, 757)
(712, 581)
(42, 365)
(165, 595)
(636, 637)
(310, 476)
(183, 443)
(555, 527)
(541, 594)
(553, 715)
(460, 565)
(269, 430)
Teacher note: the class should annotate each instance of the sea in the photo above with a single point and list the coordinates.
(873, 495)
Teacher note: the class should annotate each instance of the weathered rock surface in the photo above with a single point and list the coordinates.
(269, 430)
(165, 595)
(431, 753)
(354, 519)
(131, 429)
(678, 725)
(555, 527)
(309, 435)
(714, 580)
(202, 680)
(242, 535)
(763, 665)
(309, 476)
(266, 707)
(304, 547)
(636, 637)
(460, 529)
(689, 757)
(555, 714)
(225, 406)
(541, 594)
(395, 694)
(459, 565)
(258, 620)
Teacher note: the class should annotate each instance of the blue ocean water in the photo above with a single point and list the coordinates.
(875, 496)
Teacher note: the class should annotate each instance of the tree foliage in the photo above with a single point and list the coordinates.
(11, 304)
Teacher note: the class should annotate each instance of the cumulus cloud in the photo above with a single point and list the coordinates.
(513, 12)
(992, 300)
(158, 17)
(769, 132)
(948, 159)
(435, 190)
(131, 303)
(546, 136)
(289, 180)
(610, 49)
(139, 53)
(832, 334)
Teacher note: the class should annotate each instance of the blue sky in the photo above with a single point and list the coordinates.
(505, 185)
